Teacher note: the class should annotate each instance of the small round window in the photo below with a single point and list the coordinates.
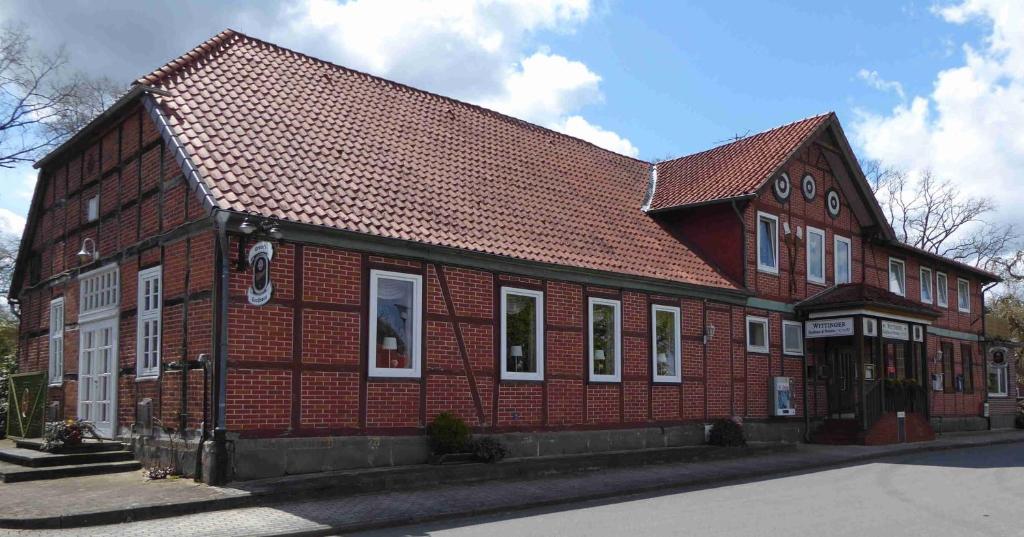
(808, 187)
(832, 203)
(781, 187)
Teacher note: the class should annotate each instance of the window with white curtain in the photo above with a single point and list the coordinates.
(897, 276)
(926, 285)
(767, 243)
(941, 289)
(605, 335)
(522, 334)
(665, 343)
(843, 253)
(963, 295)
(815, 255)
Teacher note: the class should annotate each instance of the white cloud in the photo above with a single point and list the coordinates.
(481, 51)
(876, 81)
(969, 128)
(580, 128)
(11, 222)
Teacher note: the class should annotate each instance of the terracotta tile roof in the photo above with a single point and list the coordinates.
(285, 135)
(861, 294)
(732, 170)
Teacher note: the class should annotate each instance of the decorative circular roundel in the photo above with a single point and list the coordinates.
(781, 187)
(808, 187)
(832, 202)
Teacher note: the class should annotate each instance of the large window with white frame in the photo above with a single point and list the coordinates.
(998, 384)
(815, 255)
(792, 338)
(99, 293)
(757, 334)
(941, 289)
(927, 294)
(665, 343)
(767, 243)
(150, 299)
(605, 340)
(522, 334)
(963, 295)
(897, 276)
(56, 362)
(396, 305)
(843, 253)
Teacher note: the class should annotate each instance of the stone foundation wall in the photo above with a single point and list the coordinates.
(271, 457)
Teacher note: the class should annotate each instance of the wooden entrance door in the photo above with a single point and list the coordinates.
(97, 375)
(842, 382)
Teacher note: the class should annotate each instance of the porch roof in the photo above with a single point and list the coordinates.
(861, 295)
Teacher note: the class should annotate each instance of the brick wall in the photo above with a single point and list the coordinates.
(144, 205)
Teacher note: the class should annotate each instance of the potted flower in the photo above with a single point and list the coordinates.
(67, 434)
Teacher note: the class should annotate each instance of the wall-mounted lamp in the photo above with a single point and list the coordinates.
(88, 252)
(253, 227)
(786, 229)
(247, 227)
(709, 332)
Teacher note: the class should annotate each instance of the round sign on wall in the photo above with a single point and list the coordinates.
(259, 259)
(808, 187)
(832, 204)
(781, 187)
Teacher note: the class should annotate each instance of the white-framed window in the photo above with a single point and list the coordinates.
(396, 306)
(92, 209)
(897, 276)
(815, 255)
(767, 243)
(843, 253)
(99, 293)
(56, 362)
(757, 334)
(147, 349)
(927, 295)
(963, 295)
(605, 340)
(666, 346)
(997, 380)
(522, 334)
(941, 289)
(793, 338)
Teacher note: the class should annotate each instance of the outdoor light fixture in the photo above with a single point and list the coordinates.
(88, 252)
(274, 231)
(709, 332)
(246, 227)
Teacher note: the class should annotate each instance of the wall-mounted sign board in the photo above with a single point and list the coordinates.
(828, 327)
(891, 330)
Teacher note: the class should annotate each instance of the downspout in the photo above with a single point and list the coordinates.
(984, 354)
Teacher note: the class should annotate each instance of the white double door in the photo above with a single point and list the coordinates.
(97, 375)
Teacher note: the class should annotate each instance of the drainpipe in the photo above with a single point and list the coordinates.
(219, 473)
(984, 354)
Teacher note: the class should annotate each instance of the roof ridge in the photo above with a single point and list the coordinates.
(226, 37)
(750, 137)
(201, 50)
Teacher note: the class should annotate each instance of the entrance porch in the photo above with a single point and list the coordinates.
(867, 348)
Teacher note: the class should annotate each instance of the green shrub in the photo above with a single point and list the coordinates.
(447, 434)
(727, 433)
(488, 449)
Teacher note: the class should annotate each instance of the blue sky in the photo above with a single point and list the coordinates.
(917, 84)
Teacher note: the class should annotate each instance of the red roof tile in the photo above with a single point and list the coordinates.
(732, 170)
(861, 294)
(285, 135)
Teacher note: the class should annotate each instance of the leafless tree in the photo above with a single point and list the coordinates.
(932, 214)
(41, 101)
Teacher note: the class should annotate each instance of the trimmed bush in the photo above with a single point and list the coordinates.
(727, 433)
(447, 434)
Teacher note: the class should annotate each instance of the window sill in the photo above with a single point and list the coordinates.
(666, 381)
(521, 381)
(600, 380)
(147, 378)
(55, 385)
(793, 354)
(758, 351)
(393, 378)
(766, 270)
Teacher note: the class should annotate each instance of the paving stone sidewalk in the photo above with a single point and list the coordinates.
(333, 515)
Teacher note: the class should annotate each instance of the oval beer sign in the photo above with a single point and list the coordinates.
(259, 259)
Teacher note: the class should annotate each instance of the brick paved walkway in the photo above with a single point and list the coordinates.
(377, 510)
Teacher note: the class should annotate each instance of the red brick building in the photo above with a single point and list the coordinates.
(287, 266)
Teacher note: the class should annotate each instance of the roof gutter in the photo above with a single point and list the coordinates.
(718, 201)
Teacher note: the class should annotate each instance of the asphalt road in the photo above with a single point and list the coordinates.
(963, 492)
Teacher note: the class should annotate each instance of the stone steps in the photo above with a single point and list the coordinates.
(27, 462)
(13, 473)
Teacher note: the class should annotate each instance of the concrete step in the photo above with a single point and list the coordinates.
(87, 446)
(13, 473)
(39, 459)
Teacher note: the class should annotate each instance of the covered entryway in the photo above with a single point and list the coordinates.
(868, 350)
